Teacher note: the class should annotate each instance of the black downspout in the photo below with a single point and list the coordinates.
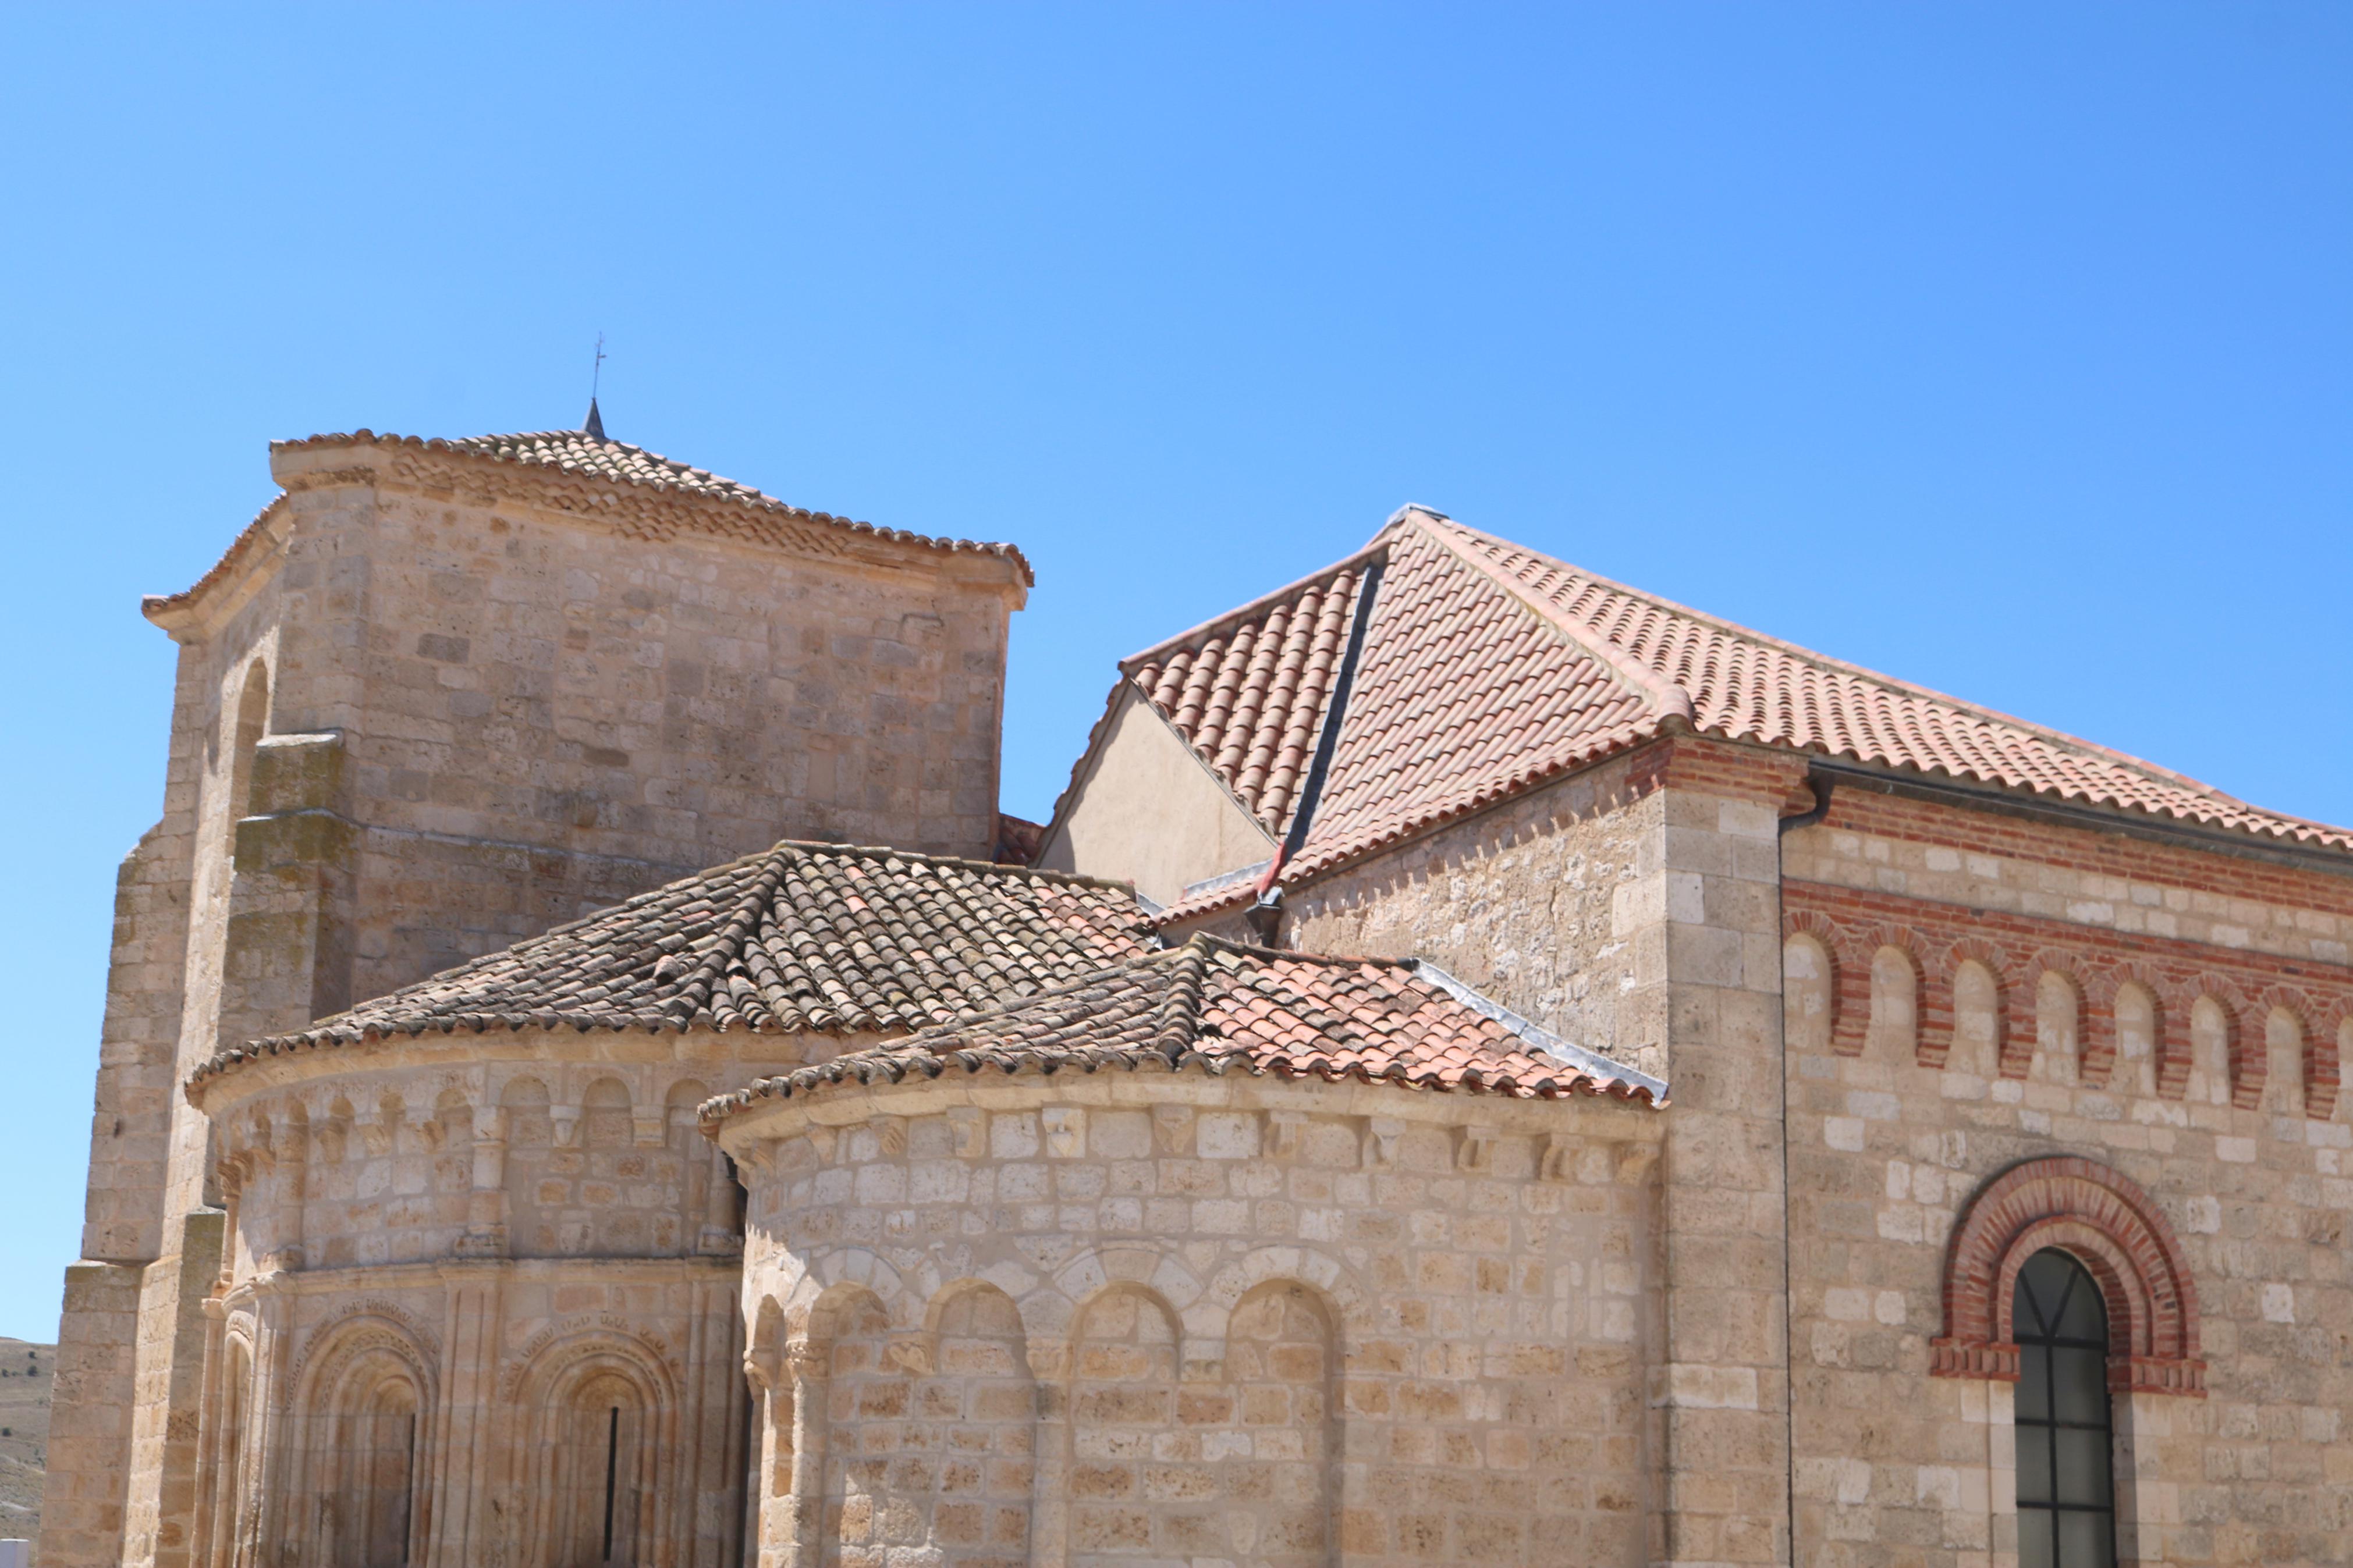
(1819, 782)
(1265, 915)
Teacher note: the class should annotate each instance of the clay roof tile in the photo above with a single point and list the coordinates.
(1220, 1007)
(800, 938)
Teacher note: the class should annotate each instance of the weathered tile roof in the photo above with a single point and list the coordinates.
(801, 938)
(1487, 668)
(1221, 1008)
(577, 452)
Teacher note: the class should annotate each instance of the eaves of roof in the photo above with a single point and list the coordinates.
(1224, 1008)
(799, 939)
(574, 455)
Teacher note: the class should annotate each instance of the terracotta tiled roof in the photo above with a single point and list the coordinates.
(248, 543)
(1487, 668)
(1250, 692)
(803, 937)
(1750, 687)
(1018, 840)
(616, 462)
(1222, 1007)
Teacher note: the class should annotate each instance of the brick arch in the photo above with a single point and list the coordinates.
(1937, 1016)
(2309, 1019)
(2024, 1035)
(2245, 1059)
(2100, 1023)
(2324, 1058)
(2105, 1220)
(1826, 934)
(1852, 1030)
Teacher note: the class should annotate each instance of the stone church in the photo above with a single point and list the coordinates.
(1484, 1066)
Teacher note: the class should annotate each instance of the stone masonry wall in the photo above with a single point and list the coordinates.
(544, 714)
(534, 703)
(503, 1240)
(1518, 903)
(1633, 908)
(1967, 992)
(1152, 1316)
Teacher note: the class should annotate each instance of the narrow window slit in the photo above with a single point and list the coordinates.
(612, 1462)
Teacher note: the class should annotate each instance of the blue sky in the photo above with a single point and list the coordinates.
(2008, 349)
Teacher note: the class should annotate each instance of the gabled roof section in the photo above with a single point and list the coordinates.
(1487, 668)
(1221, 1008)
(813, 937)
(1746, 685)
(1249, 691)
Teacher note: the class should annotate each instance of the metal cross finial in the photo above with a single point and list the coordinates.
(594, 426)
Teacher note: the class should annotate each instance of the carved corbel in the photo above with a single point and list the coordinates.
(1172, 1128)
(1285, 1131)
(967, 1131)
(1066, 1132)
(1556, 1163)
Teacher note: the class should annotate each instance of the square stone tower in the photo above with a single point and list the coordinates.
(440, 695)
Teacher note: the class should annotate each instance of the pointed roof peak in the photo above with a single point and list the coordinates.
(594, 426)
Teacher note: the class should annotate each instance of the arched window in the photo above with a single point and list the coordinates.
(252, 720)
(600, 1482)
(2066, 1500)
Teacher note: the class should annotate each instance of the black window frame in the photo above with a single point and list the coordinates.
(2037, 1340)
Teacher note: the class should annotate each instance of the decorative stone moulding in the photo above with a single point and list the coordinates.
(2108, 1224)
(2241, 986)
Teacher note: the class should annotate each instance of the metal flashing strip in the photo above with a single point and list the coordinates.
(1225, 879)
(1536, 1036)
(1335, 711)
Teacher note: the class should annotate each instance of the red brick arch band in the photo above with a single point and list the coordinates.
(2108, 1224)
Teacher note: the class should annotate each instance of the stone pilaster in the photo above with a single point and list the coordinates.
(460, 1479)
(89, 1426)
(168, 1384)
(1703, 914)
(288, 957)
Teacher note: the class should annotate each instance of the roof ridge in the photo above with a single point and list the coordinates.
(994, 868)
(716, 489)
(1665, 694)
(1202, 631)
(1894, 684)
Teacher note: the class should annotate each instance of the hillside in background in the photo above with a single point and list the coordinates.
(24, 1373)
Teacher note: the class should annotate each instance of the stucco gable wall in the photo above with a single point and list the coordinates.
(1146, 810)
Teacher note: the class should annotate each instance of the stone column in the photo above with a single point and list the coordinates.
(486, 1213)
(793, 1541)
(266, 1541)
(717, 1237)
(292, 1170)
